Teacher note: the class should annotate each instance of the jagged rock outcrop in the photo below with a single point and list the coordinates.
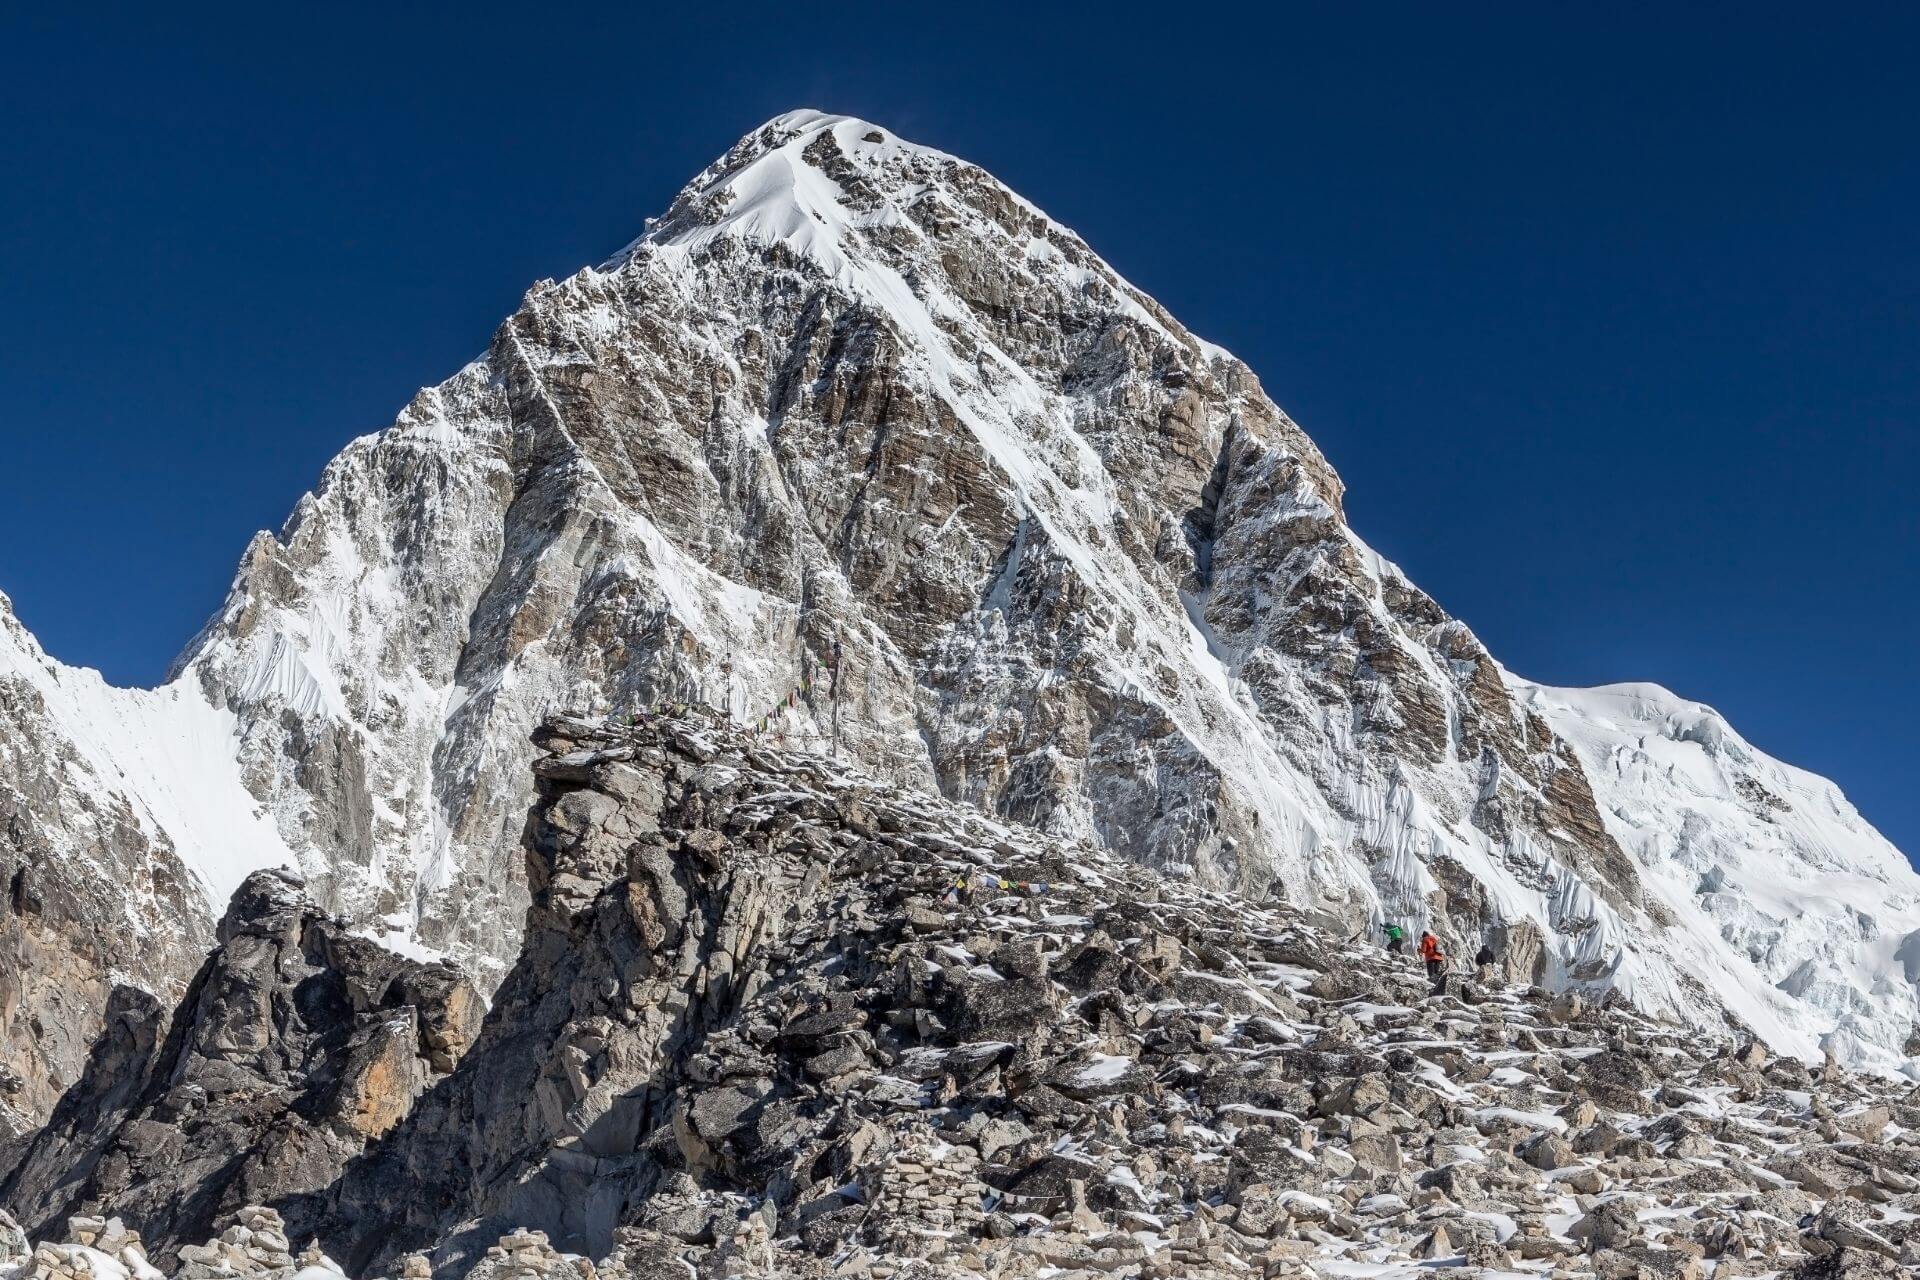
(643, 911)
(775, 1019)
(856, 438)
(296, 1044)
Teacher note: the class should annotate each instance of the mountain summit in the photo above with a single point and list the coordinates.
(858, 445)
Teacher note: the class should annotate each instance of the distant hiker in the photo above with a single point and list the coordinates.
(1484, 958)
(1430, 952)
(1396, 939)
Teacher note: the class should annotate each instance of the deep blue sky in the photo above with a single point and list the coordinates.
(1609, 317)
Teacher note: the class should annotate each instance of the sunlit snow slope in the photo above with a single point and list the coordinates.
(167, 750)
(857, 440)
(1768, 861)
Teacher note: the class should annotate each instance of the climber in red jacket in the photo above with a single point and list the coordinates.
(1430, 952)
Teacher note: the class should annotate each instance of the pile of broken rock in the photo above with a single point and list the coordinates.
(755, 1031)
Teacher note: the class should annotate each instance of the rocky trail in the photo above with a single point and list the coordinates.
(755, 1029)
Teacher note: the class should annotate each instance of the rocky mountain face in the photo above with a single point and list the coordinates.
(857, 443)
(93, 891)
(772, 1018)
(294, 1046)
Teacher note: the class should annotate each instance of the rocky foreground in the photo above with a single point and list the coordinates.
(772, 1019)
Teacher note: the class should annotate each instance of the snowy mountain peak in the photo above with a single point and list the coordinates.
(859, 447)
(887, 218)
(809, 180)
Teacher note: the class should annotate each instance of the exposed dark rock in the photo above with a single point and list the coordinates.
(296, 1044)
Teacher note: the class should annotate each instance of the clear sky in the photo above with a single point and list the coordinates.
(1609, 315)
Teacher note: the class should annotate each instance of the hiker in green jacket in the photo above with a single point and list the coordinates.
(1396, 938)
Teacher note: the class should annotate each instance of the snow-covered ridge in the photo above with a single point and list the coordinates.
(859, 442)
(1766, 859)
(167, 750)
